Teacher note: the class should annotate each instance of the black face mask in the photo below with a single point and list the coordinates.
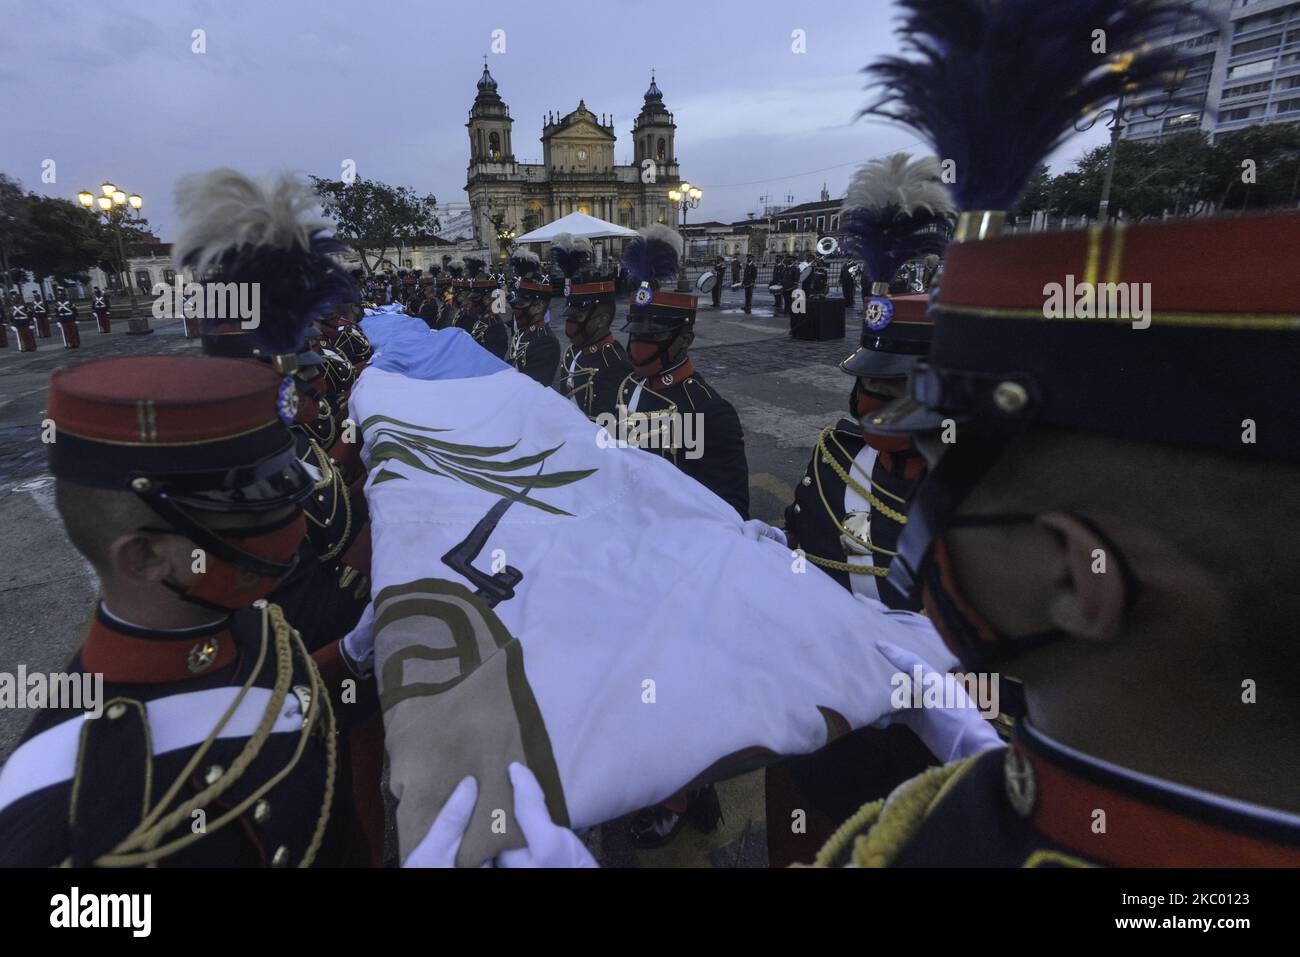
(966, 632)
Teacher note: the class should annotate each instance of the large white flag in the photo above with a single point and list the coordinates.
(589, 610)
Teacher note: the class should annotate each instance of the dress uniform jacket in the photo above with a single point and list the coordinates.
(722, 468)
(491, 333)
(536, 353)
(84, 791)
(1037, 803)
(848, 510)
(593, 374)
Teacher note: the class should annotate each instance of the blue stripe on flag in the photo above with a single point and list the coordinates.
(405, 345)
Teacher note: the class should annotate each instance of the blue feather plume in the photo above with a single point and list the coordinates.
(653, 255)
(571, 253)
(997, 85)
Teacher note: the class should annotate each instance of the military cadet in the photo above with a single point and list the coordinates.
(40, 315)
(217, 740)
(1137, 645)
(750, 277)
(535, 351)
(719, 276)
(20, 323)
(481, 319)
(66, 314)
(661, 391)
(327, 595)
(735, 271)
(428, 309)
(850, 506)
(777, 283)
(594, 365)
(664, 383)
(452, 294)
(102, 310)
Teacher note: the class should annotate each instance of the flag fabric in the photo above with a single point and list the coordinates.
(542, 595)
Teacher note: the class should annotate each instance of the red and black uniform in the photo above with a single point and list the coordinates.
(86, 790)
(721, 467)
(1036, 804)
(534, 351)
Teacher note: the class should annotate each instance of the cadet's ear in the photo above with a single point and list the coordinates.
(143, 557)
(1088, 598)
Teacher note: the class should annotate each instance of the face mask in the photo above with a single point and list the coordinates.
(964, 630)
(228, 585)
(649, 357)
(862, 402)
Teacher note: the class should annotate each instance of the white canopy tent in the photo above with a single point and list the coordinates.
(578, 224)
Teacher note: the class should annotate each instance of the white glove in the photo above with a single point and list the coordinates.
(440, 845)
(549, 845)
(756, 529)
(949, 733)
(359, 644)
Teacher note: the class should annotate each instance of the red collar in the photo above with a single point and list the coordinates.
(597, 346)
(1149, 822)
(912, 462)
(663, 380)
(125, 655)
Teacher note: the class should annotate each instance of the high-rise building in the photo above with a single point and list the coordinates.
(1245, 72)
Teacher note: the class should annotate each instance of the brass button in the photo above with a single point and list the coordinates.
(796, 508)
(1010, 397)
(806, 481)
(261, 812)
(1021, 785)
(116, 710)
(281, 857)
(213, 773)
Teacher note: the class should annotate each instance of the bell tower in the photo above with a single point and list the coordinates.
(489, 124)
(652, 135)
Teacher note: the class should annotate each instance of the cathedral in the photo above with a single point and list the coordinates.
(577, 172)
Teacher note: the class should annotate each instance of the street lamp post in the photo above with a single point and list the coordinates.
(111, 206)
(684, 197)
(1115, 116)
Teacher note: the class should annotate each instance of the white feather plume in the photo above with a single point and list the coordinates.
(896, 180)
(224, 210)
(664, 234)
(567, 242)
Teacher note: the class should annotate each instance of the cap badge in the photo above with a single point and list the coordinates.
(879, 313)
(202, 655)
(287, 401)
(644, 294)
(1021, 785)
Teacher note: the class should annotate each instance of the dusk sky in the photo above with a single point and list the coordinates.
(112, 90)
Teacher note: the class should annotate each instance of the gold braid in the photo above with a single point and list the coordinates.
(834, 565)
(890, 822)
(332, 477)
(141, 845)
(848, 480)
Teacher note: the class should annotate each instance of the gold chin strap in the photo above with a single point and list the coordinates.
(141, 845)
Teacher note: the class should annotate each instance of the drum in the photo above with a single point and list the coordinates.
(706, 282)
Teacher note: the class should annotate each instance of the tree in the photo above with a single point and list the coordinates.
(14, 212)
(1038, 195)
(373, 217)
(63, 240)
(1258, 167)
